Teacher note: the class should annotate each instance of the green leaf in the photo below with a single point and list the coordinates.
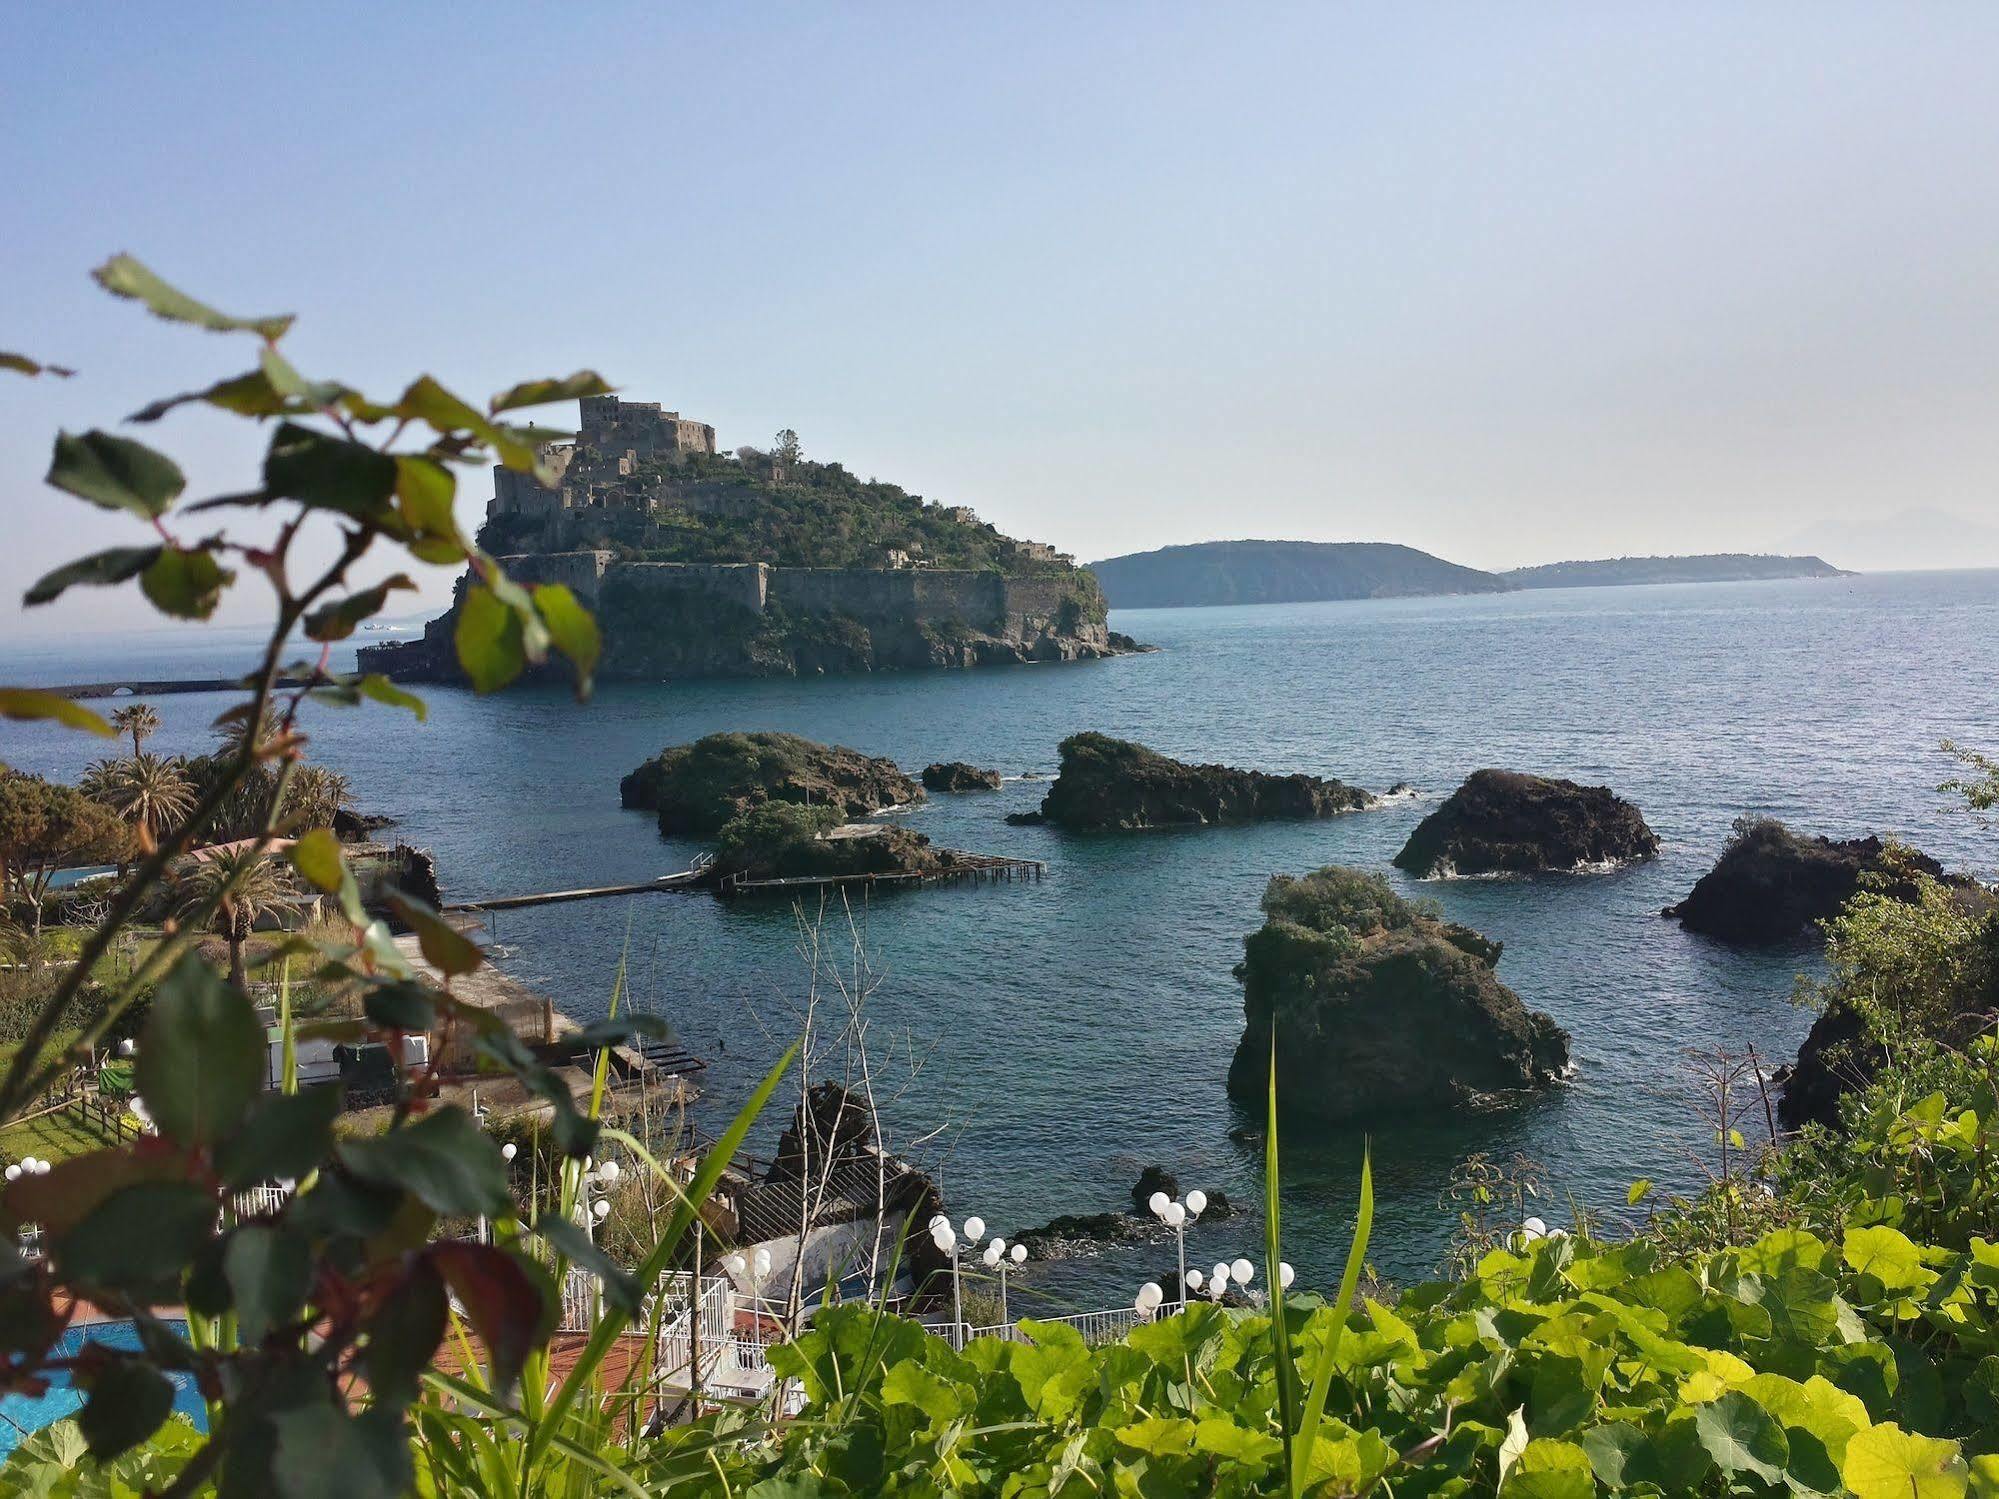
(115, 473)
(245, 395)
(1549, 1469)
(129, 1401)
(124, 276)
(572, 629)
(1514, 1443)
(113, 566)
(317, 857)
(285, 1137)
(488, 638)
(425, 490)
(325, 1452)
(186, 585)
(444, 1158)
(403, 1333)
(138, 1240)
(28, 706)
(1612, 1449)
(269, 1270)
(380, 689)
(444, 947)
(542, 392)
(336, 621)
(1236, 1444)
(1885, 1462)
(330, 473)
(1887, 1254)
(1637, 1192)
(1742, 1437)
(201, 1055)
(1158, 1436)
(400, 1006)
(22, 364)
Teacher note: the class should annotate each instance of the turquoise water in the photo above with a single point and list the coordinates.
(1050, 1039)
(21, 1415)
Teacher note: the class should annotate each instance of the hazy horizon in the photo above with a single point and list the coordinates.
(1510, 288)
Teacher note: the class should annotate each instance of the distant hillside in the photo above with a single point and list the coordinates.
(1717, 567)
(1281, 572)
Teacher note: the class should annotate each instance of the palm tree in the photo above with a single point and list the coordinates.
(250, 888)
(139, 721)
(151, 792)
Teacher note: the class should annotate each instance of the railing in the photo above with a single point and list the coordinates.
(1096, 1327)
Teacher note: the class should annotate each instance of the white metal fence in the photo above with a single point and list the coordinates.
(1095, 1327)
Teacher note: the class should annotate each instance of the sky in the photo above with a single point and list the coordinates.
(1508, 283)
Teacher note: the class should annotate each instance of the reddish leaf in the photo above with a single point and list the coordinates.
(507, 1306)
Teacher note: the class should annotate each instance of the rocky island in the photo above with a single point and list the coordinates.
(698, 563)
(1107, 783)
(956, 775)
(1503, 822)
(1379, 1006)
(1773, 885)
(697, 789)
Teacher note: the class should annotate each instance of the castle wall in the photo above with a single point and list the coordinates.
(1017, 607)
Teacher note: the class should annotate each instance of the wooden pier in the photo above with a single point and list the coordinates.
(696, 878)
(977, 869)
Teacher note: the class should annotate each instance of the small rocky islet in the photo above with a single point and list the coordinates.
(1506, 822)
(1774, 885)
(1379, 1006)
(1107, 784)
(956, 775)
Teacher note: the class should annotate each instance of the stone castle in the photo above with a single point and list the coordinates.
(601, 469)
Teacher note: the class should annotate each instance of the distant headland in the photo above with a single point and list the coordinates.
(762, 563)
(1281, 572)
(1714, 567)
(1290, 572)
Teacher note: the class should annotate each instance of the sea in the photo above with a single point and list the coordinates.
(1037, 1044)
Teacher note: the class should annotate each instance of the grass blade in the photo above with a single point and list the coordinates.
(606, 1331)
(1322, 1377)
(1273, 1256)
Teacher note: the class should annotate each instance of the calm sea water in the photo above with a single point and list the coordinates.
(1047, 1040)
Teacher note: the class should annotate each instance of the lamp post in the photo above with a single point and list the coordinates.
(1001, 1258)
(1176, 1215)
(946, 1239)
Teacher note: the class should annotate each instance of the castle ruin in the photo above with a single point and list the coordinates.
(602, 468)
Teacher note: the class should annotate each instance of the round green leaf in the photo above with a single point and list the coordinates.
(1742, 1437)
(201, 1055)
(1886, 1462)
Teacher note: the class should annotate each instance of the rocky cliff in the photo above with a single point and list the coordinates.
(1113, 783)
(664, 620)
(1503, 822)
(1379, 1006)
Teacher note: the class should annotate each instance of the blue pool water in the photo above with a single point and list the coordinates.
(21, 1415)
(1050, 1039)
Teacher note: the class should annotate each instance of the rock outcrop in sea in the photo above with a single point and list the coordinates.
(697, 788)
(1504, 822)
(1379, 1007)
(956, 775)
(1113, 783)
(1773, 885)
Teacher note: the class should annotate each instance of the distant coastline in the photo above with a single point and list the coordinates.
(1714, 567)
(1295, 572)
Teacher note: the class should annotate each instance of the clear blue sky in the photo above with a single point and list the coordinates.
(1511, 283)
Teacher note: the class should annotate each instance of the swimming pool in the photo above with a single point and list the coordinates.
(22, 1414)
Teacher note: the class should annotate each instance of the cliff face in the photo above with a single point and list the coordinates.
(665, 620)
